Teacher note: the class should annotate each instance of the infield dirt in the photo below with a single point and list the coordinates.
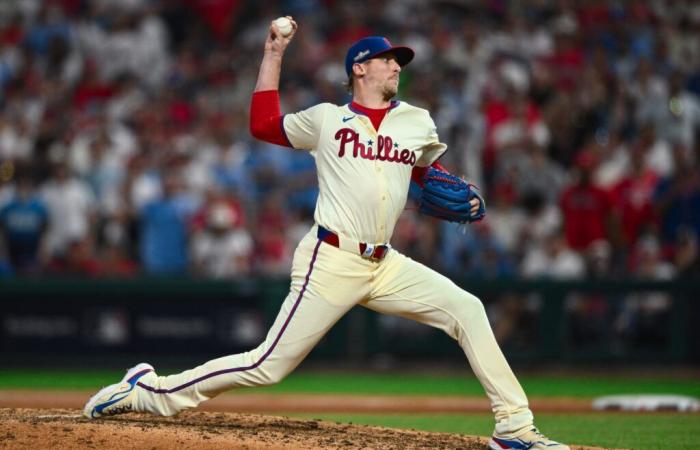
(68, 429)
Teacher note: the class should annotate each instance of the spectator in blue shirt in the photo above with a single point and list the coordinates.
(678, 197)
(164, 229)
(23, 224)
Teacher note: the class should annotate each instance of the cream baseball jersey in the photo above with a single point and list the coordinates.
(363, 173)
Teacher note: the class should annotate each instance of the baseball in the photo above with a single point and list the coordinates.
(284, 25)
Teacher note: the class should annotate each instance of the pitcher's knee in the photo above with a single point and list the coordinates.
(471, 305)
(462, 305)
(467, 311)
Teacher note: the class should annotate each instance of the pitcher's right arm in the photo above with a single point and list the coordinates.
(265, 115)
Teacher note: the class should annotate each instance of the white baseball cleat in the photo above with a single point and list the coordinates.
(529, 440)
(116, 398)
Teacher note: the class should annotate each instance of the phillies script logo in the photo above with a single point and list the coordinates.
(386, 149)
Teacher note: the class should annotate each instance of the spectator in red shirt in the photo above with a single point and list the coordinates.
(91, 91)
(272, 250)
(568, 58)
(586, 207)
(78, 260)
(632, 197)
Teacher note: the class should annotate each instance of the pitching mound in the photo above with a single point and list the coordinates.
(67, 429)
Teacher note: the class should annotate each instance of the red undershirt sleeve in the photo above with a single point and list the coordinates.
(266, 119)
(419, 172)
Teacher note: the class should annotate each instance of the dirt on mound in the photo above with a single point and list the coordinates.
(68, 429)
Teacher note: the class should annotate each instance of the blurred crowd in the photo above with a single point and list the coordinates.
(125, 151)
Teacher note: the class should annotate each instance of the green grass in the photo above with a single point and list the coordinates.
(385, 384)
(609, 430)
(637, 431)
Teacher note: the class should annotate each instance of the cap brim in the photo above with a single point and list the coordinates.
(404, 55)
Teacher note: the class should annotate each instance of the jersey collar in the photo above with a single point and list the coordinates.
(363, 110)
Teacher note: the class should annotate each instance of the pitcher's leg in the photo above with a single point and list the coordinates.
(408, 289)
(303, 319)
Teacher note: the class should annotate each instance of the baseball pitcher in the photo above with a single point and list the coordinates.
(367, 152)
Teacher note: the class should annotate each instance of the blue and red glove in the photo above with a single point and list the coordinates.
(447, 197)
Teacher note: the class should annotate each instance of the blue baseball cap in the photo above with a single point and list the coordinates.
(373, 46)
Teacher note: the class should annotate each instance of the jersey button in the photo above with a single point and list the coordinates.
(383, 197)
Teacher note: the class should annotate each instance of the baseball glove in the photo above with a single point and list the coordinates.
(447, 197)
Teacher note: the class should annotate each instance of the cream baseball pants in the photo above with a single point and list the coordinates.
(326, 283)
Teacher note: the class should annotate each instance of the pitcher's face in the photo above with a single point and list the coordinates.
(382, 74)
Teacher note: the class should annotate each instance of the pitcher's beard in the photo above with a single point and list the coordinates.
(389, 92)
